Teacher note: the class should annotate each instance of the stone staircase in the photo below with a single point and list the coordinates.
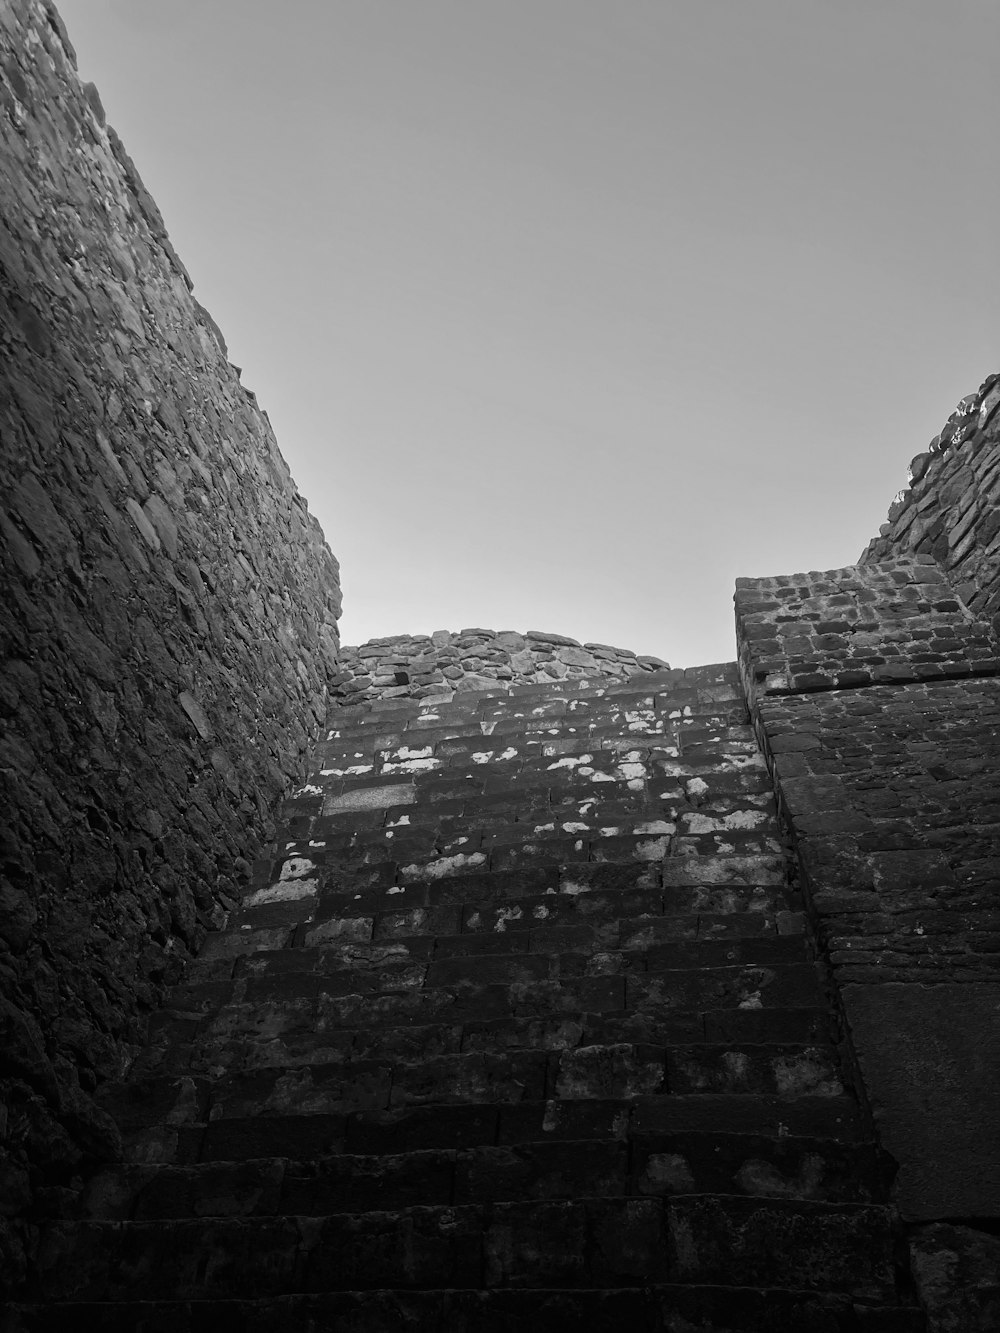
(521, 1029)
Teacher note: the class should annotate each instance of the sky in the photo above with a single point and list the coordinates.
(567, 313)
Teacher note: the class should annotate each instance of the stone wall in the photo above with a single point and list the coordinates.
(951, 509)
(169, 614)
(424, 665)
(876, 695)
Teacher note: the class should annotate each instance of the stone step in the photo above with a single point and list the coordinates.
(637, 938)
(602, 922)
(469, 1124)
(504, 1076)
(178, 1050)
(421, 962)
(649, 1165)
(707, 1239)
(276, 1008)
(388, 911)
(659, 1308)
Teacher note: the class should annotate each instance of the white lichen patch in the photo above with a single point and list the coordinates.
(307, 790)
(570, 827)
(483, 756)
(503, 916)
(655, 826)
(371, 798)
(509, 753)
(752, 1001)
(397, 823)
(654, 850)
(572, 888)
(445, 865)
(739, 819)
(573, 761)
(352, 771)
(284, 891)
(404, 752)
(295, 867)
(412, 766)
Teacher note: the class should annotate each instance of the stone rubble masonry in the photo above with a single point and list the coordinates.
(169, 620)
(951, 509)
(422, 666)
(875, 692)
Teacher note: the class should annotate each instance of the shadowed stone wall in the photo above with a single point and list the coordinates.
(169, 617)
(876, 694)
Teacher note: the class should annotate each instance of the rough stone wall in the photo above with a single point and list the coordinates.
(424, 665)
(876, 694)
(169, 613)
(951, 509)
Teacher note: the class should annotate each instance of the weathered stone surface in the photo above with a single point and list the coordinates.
(875, 691)
(929, 1056)
(169, 612)
(957, 1272)
(951, 510)
(522, 1010)
(545, 1025)
(475, 659)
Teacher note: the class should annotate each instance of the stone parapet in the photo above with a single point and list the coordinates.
(425, 665)
(951, 507)
(895, 621)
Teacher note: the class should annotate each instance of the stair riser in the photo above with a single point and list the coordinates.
(650, 1309)
(650, 1165)
(599, 1242)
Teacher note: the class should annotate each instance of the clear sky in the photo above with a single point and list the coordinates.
(568, 312)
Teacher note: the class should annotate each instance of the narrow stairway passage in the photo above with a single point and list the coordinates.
(520, 1027)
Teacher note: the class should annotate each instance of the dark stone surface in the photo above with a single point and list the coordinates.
(930, 1056)
(169, 617)
(876, 697)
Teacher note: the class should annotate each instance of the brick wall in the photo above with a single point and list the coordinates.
(169, 613)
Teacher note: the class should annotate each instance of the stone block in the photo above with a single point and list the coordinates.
(929, 1056)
